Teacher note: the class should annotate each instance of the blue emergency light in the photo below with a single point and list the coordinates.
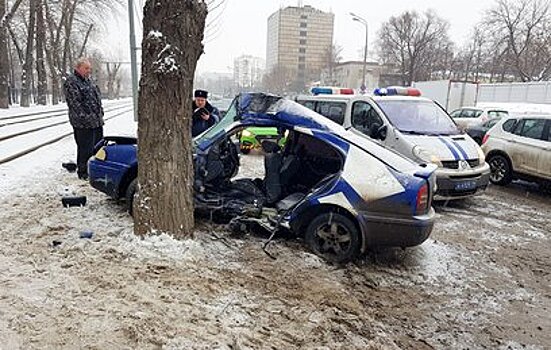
(331, 91)
(397, 91)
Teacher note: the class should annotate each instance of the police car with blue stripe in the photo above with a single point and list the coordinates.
(400, 119)
(341, 191)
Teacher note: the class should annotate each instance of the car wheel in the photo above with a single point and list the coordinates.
(334, 237)
(502, 172)
(130, 193)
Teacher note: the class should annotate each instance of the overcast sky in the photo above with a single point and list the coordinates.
(240, 26)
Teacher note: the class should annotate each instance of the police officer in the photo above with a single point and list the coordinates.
(85, 112)
(204, 114)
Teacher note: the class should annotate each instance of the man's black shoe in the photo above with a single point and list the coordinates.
(83, 176)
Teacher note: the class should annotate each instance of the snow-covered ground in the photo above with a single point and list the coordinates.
(481, 281)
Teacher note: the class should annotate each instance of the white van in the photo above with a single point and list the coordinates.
(416, 127)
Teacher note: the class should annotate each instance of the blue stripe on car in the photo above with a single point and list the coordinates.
(463, 153)
(450, 147)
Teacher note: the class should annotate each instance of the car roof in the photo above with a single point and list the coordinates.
(360, 97)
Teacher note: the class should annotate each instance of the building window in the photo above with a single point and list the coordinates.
(302, 50)
(303, 17)
(303, 24)
(301, 59)
(302, 42)
(301, 66)
(302, 33)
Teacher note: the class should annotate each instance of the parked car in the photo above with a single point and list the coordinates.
(520, 148)
(340, 191)
(416, 127)
(471, 116)
(477, 132)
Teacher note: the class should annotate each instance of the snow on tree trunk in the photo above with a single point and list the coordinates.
(173, 32)
(4, 60)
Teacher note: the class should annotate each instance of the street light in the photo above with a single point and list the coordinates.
(364, 22)
(133, 59)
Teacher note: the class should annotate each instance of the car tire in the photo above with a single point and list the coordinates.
(130, 194)
(501, 170)
(334, 237)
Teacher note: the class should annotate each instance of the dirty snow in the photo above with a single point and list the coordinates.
(481, 281)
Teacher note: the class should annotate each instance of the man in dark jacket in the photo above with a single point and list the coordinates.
(204, 114)
(85, 112)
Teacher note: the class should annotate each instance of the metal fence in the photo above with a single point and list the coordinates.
(533, 92)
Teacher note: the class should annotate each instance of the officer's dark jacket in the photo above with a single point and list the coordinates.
(199, 124)
(84, 102)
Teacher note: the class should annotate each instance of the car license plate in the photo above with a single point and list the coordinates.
(465, 185)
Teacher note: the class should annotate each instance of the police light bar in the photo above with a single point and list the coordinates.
(331, 91)
(397, 91)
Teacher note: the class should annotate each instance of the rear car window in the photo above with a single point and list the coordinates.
(533, 128)
(332, 110)
(471, 113)
(509, 125)
(497, 114)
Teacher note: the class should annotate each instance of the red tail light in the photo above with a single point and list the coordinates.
(486, 137)
(422, 203)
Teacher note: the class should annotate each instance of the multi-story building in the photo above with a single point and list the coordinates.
(248, 71)
(298, 41)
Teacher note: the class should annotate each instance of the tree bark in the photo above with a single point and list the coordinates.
(173, 32)
(4, 61)
(42, 79)
(26, 76)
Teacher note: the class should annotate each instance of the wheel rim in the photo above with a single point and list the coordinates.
(499, 169)
(333, 239)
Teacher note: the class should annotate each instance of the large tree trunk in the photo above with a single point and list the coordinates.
(173, 32)
(26, 76)
(4, 61)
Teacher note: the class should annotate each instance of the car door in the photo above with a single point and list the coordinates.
(528, 145)
(365, 119)
(545, 155)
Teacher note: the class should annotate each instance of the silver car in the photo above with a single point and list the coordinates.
(519, 148)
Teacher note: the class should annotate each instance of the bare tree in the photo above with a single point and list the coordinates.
(42, 82)
(112, 75)
(333, 55)
(278, 80)
(520, 32)
(173, 32)
(409, 39)
(26, 76)
(6, 14)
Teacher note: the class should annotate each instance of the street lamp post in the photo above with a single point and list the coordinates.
(364, 22)
(133, 59)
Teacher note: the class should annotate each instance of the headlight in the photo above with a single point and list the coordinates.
(246, 133)
(425, 156)
(481, 156)
(101, 154)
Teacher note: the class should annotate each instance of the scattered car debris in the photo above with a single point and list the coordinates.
(70, 166)
(73, 201)
(86, 234)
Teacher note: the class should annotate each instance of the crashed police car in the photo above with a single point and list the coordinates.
(340, 191)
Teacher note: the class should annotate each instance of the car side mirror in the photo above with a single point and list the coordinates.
(381, 132)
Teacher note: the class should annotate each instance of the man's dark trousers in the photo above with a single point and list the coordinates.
(86, 139)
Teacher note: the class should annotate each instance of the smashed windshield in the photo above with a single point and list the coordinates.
(224, 124)
(418, 117)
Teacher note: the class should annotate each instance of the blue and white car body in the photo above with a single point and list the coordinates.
(382, 195)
